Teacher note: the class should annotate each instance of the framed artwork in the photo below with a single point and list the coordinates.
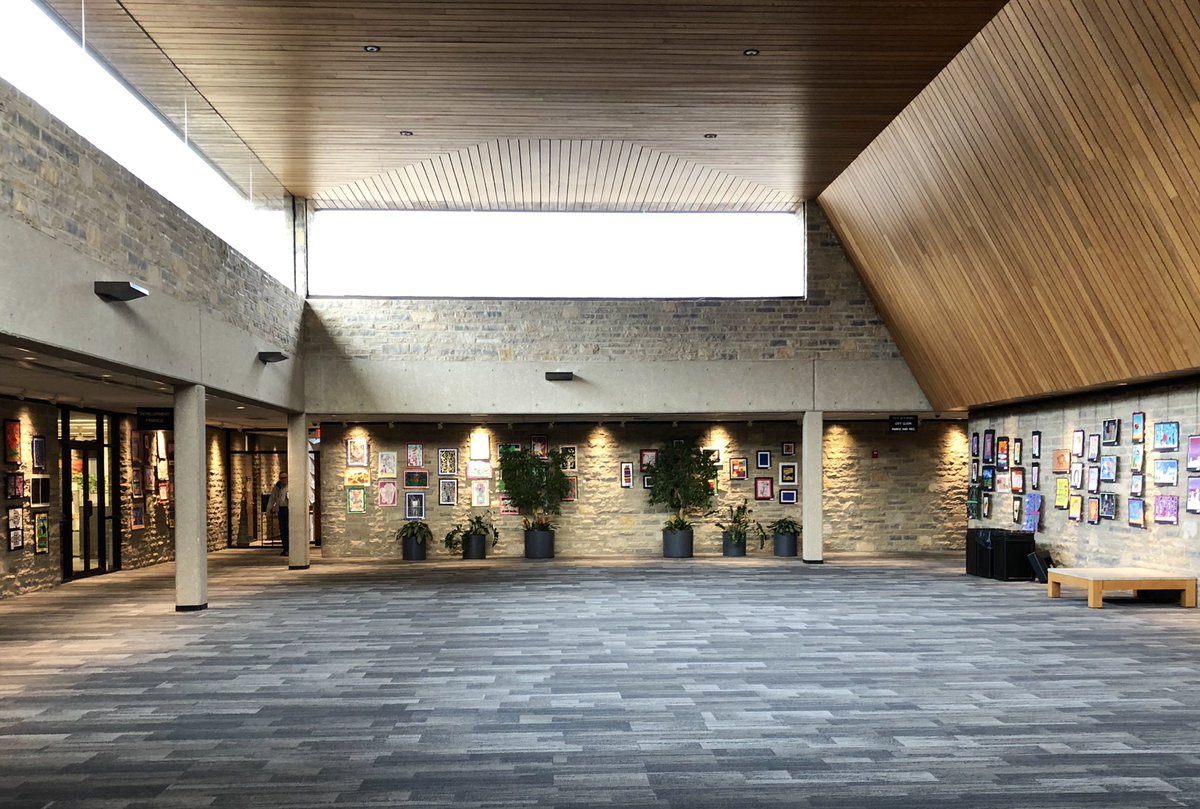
(1108, 506)
(1193, 495)
(147, 447)
(1166, 438)
(416, 479)
(764, 489)
(1093, 451)
(1017, 480)
(357, 452)
(627, 474)
(570, 456)
(1002, 454)
(1093, 511)
(164, 491)
(1077, 438)
(1110, 433)
(788, 474)
(356, 477)
(1137, 484)
(739, 468)
(974, 471)
(162, 470)
(762, 459)
(16, 518)
(16, 539)
(974, 445)
(479, 470)
(480, 446)
(135, 485)
(1003, 482)
(1075, 508)
(38, 448)
(647, 481)
(1138, 429)
(165, 449)
(356, 500)
(540, 445)
(414, 505)
(646, 459)
(987, 476)
(41, 533)
(386, 495)
(502, 450)
(1166, 472)
(12, 441)
(1137, 458)
(15, 488)
(572, 489)
(788, 497)
(137, 518)
(1035, 476)
(1166, 509)
(1033, 512)
(987, 506)
(481, 494)
(1076, 474)
(1060, 461)
(39, 491)
(1093, 479)
(1035, 444)
(989, 446)
(1137, 512)
(1193, 453)
(507, 508)
(1017, 450)
(447, 459)
(447, 491)
(389, 463)
(1108, 468)
(415, 456)
(788, 448)
(1018, 504)
(712, 486)
(135, 446)
(1061, 493)
(714, 453)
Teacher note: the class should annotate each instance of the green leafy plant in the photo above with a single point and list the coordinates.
(535, 485)
(478, 525)
(681, 481)
(417, 529)
(739, 526)
(784, 525)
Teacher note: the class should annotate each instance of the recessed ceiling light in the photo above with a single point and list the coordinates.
(29, 358)
(710, 135)
(106, 376)
(241, 407)
(372, 48)
(750, 52)
(407, 133)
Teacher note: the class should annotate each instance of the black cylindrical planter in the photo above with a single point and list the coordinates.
(539, 544)
(414, 551)
(475, 546)
(731, 548)
(677, 544)
(785, 544)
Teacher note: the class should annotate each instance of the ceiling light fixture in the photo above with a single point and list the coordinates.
(710, 135)
(750, 52)
(372, 48)
(406, 133)
(240, 407)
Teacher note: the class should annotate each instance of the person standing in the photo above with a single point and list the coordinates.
(278, 504)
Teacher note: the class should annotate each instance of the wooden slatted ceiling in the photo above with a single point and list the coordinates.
(293, 81)
(1030, 225)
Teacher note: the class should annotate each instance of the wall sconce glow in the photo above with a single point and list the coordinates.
(119, 291)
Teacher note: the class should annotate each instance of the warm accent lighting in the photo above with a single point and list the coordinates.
(113, 291)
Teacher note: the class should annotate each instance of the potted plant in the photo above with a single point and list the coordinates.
(414, 536)
(680, 480)
(472, 538)
(536, 486)
(737, 528)
(786, 530)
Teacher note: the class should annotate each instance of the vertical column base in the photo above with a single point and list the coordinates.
(190, 607)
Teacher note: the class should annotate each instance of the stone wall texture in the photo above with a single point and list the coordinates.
(23, 570)
(1112, 541)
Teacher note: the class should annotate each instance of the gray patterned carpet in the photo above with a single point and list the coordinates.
(704, 683)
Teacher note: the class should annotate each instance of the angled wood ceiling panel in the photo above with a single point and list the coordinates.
(1030, 224)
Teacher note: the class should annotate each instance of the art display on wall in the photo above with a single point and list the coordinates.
(647, 481)
(357, 452)
(1166, 509)
(447, 491)
(356, 500)
(1060, 462)
(1035, 444)
(164, 491)
(540, 445)
(415, 456)
(987, 476)
(41, 533)
(1193, 453)
(386, 495)
(1002, 454)
(416, 479)
(713, 453)
(974, 445)
(414, 505)
(788, 448)
(987, 506)
(646, 459)
(1137, 429)
(354, 476)
(626, 474)
(1093, 449)
(1017, 452)
(787, 474)
(1018, 504)
(1093, 479)
(1061, 493)
(480, 494)
(1076, 474)
(1093, 510)
(389, 464)
(38, 450)
(447, 461)
(137, 517)
(39, 491)
(1166, 436)
(1137, 458)
(12, 441)
(788, 497)
(15, 487)
(1075, 508)
(1166, 472)
(1003, 482)
(507, 507)
(762, 459)
(1077, 439)
(572, 489)
(1033, 513)
(974, 477)
(989, 446)
(764, 489)
(1035, 476)
(570, 456)
(1108, 506)
(1108, 468)
(502, 450)
(1193, 495)
(1110, 434)
(479, 470)
(1017, 480)
(739, 468)
(1137, 484)
(1137, 512)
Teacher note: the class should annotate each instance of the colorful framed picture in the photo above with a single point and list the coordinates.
(356, 500)
(1193, 453)
(12, 441)
(788, 497)
(416, 479)
(788, 448)
(1108, 468)
(135, 485)
(1093, 449)
(989, 446)
(572, 489)
(414, 505)
(1035, 476)
(788, 474)
(1018, 506)
(987, 477)
(1003, 482)
(713, 453)
(974, 471)
(38, 451)
(504, 449)
(646, 459)
(479, 470)
(1166, 509)
(135, 446)
(1033, 512)
(1017, 480)
(415, 456)
(1035, 444)
(739, 468)
(570, 456)
(137, 518)
(1166, 472)
(987, 506)
(386, 495)
(1077, 439)
(1002, 454)
(164, 491)
(507, 507)
(647, 481)
(762, 459)
(764, 489)
(1137, 512)
(1166, 437)
(974, 445)
(1193, 495)
(1137, 458)
(447, 491)
(389, 462)
(447, 459)
(627, 474)
(356, 477)
(540, 445)
(1060, 461)
(1137, 430)
(1137, 484)
(15, 485)
(41, 533)
(357, 452)
(1093, 511)
(1075, 508)
(1093, 479)
(1108, 506)
(1110, 432)
(481, 494)
(1062, 493)
(1076, 474)
(1017, 452)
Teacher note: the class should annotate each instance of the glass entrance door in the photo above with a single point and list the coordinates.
(89, 548)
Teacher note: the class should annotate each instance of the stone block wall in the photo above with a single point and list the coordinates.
(23, 570)
(257, 461)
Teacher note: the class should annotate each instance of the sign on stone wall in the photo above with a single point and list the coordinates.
(902, 424)
(156, 418)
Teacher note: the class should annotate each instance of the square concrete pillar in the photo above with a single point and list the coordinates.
(191, 500)
(812, 483)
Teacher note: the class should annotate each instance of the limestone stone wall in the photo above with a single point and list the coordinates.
(24, 570)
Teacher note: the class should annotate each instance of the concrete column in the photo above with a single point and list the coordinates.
(191, 500)
(812, 482)
(298, 219)
(298, 483)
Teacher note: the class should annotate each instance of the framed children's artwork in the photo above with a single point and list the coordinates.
(447, 491)
(38, 450)
(1093, 479)
(135, 485)
(627, 474)
(788, 497)
(989, 446)
(788, 474)
(356, 477)
(1033, 512)
(504, 449)
(987, 506)
(479, 446)
(1035, 476)
(1166, 437)
(41, 533)
(1193, 495)
(1108, 468)
(137, 518)
(1110, 433)
(713, 453)
(16, 539)
(1137, 430)
(572, 489)
(1018, 504)
(1075, 508)
(1093, 510)
(1003, 482)
(540, 445)
(1077, 439)
(481, 494)
(1002, 453)
(416, 479)
(788, 448)
(764, 489)
(739, 468)
(974, 445)
(356, 500)
(415, 456)
(1166, 509)
(357, 452)
(1093, 451)
(570, 456)
(1076, 474)
(386, 495)
(1193, 453)
(1137, 484)
(15, 488)
(646, 459)
(1061, 493)
(647, 481)
(164, 491)
(1166, 472)
(974, 472)
(762, 459)
(135, 446)
(1137, 512)
(1017, 480)
(447, 461)
(414, 505)
(1060, 461)
(1108, 506)
(506, 506)
(1017, 451)
(39, 491)
(12, 441)
(1137, 458)
(479, 470)
(1035, 444)
(988, 477)
(389, 463)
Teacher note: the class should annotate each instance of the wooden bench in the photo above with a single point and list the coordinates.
(1099, 580)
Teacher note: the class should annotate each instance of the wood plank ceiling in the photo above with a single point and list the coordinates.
(1029, 225)
(530, 104)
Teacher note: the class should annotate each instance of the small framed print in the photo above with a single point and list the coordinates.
(356, 477)
(1193, 453)
(1110, 433)
(987, 506)
(135, 446)
(1093, 451)
(479, 470)
(1108, 468)
(1137, 430)
(626, 474)
(1093, 479)
(164, 491)
(1076, 474)
(788, 449)
(788, 497)
(1193, 495)
(1062, 493)
(974, 471)
(974, 445)
(506, 506)
(739, 468)
(1137, 512)
(1077, 439)
(762, 459)
(1166, 472)
(415, 456)
(15, 487)
(479, 446)
(135, 485)
(41, 533)
(481, 494)
(570, 456)
(1035, 444)
(540, 445)
(386, 494)
(16, 539)
(1002, 454)
(1018, 504)
(137, 518)
(1166, 438)
(502, 450)
(1060, 461)
(388, 464)
(713, 453)
(647, 481)
(764, 489)
(1003, 482)
(38, 450)
(356, 500)
(1075, 508)
(12, 441)
(1166, 509)
(1093, 511)
(1017, 480)
(1137, 484)
(414, 505)
(357, 452)
(646, 459)
(1017, 451)
(416, 479)
(1035, 476)
(1108, 506)
(447, 491)
(989, 446)
(987, 477)
(787, 474)
(447, 459)
(572, 489)
(1137, 458)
